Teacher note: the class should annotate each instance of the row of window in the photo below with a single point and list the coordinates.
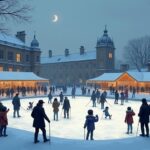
(10, 56)
(9, 69)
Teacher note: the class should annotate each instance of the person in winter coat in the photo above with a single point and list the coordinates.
(144, 114)
(129, 119)
(116, 97)
(38, 114)
(73, 92)
(66, 107)
(50, 97)
(122, 97)
(93, 98)
(107, 114)
(90, 124)
(103, 100)
(3, 121)
(61, 96)
(55, 106)
(98, 94)
(16, 104)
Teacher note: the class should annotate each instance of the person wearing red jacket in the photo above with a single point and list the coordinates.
(3, 121)
(129, 119)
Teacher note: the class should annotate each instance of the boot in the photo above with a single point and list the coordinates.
(36, 138)
(46, 140)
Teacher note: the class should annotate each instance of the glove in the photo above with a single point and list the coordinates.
(48, 121)
(96, 115)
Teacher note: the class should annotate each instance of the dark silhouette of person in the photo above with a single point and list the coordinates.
(39, 115)
(144, 113)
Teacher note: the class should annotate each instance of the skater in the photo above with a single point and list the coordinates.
(133, 92)
(116, 97)
(126, 95)
(129, 119)
(50, 97)
(38, 114)
(98, 94)
(55, 106)
(16, 104)
(103, 100)
(3, 120)
(107, 114)
(93, 98)
(61, 96)
(30, 106)
(122, 98)
(90, 124)
(144, 114)
(73, 92)
(66, 107)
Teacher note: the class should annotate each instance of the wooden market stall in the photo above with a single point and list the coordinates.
(137, 80)
(21, 79)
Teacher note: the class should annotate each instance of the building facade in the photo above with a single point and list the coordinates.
(15, 55)
(77, 68)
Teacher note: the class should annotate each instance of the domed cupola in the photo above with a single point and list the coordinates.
(105, 40)
(35, 43)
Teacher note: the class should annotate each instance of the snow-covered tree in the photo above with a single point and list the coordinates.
(13, 10)
(137, 52)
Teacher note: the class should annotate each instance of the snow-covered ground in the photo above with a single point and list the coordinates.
(69, 133)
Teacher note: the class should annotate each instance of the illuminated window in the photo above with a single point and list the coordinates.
(10, 69)
(110, 55)
(1, 68)
(18, 57)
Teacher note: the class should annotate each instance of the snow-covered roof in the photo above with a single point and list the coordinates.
(107, 77)
(139, 76)
(90, 55)
(13, 42)
(22, 76)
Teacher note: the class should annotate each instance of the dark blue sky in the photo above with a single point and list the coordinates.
(82, 21)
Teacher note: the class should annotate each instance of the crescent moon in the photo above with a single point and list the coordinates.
(55, 18)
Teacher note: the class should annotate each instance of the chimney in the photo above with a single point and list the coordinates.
(21, 36)
(124, 67)
(82, 50)
(50, 53)
(66, 52)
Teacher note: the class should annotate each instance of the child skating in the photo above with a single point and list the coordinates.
(107, 114)
(129, 120)
(30, 107)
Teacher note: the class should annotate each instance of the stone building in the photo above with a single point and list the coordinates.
(15, 55)
(77, 68)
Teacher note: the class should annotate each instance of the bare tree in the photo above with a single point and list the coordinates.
(137, 52)
(13, 10)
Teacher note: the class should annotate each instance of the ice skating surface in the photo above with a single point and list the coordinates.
(72, 128)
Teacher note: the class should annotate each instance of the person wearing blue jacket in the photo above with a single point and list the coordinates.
(90, 124)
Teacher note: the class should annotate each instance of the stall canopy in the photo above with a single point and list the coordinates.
(14, 79)
(124, 79)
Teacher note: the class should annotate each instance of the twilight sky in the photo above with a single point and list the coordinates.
(82, 21)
